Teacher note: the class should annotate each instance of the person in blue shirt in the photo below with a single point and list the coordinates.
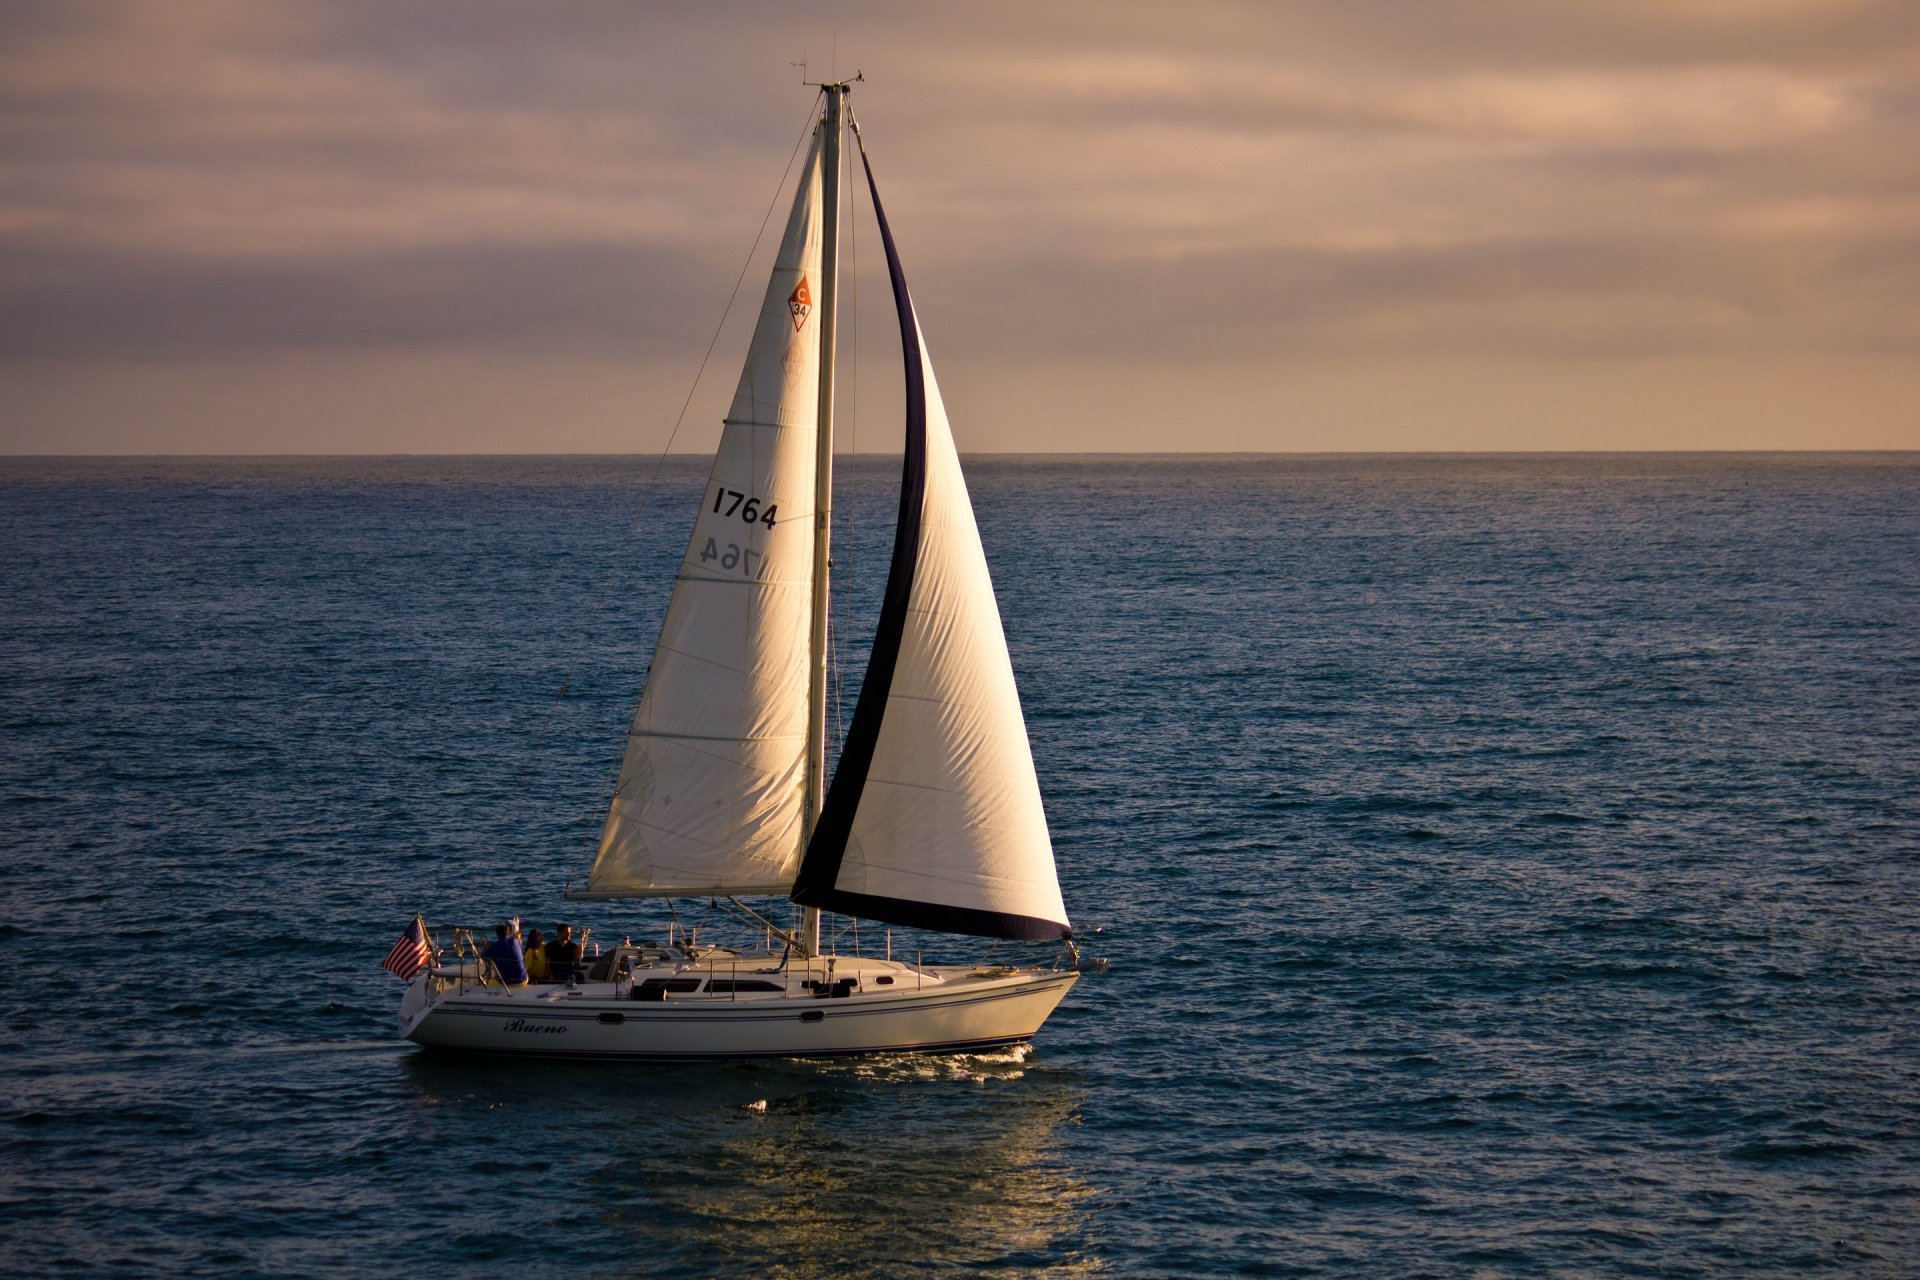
(504, 952)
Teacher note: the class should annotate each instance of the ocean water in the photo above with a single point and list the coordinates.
(1508, 866)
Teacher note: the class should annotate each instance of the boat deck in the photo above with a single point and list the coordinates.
(678, 1003)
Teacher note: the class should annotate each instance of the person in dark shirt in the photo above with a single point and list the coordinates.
(504, 952)
(563, 954)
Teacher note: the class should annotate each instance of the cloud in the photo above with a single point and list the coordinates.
(1244, 183)
(589, 299)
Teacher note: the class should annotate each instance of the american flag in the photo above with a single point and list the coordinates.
(409, 952)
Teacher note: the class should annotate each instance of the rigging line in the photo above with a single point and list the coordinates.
(747, 913)
(766, 218)
(853, 392)
(519, 788)
(852, 522)
(852, 276)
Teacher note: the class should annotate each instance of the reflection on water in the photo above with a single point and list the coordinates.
(879, 1166)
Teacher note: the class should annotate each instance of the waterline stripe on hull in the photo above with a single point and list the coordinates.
(726, 1011)
(786, 1028)
(620, 1055)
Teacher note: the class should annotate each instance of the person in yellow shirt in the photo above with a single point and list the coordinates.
(536, 954)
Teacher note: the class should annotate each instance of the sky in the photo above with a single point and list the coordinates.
(1294, 225)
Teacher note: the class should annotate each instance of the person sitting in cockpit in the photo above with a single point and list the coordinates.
(505, 955)
(563, 954)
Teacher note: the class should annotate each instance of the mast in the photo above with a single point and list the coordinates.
(833, 124)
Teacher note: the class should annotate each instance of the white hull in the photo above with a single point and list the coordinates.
(922, 1011)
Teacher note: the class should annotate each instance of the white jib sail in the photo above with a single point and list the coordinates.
(712, 791)
(950, 814)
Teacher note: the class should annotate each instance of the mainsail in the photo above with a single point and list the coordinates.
(934, 817)
(711, 795)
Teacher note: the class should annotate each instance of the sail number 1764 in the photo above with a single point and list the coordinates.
(730, 556)
(732, 502)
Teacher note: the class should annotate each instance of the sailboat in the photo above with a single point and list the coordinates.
(933, 817)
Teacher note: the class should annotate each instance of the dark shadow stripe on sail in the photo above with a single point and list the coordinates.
(820, 869)
(909, 914)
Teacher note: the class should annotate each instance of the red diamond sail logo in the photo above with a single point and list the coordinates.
(800, 302)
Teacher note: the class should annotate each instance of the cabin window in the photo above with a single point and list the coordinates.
(883, 982)
(725, 986)
(657, 988)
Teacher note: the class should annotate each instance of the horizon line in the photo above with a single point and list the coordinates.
(989, 453)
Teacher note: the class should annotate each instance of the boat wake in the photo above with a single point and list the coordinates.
(1006, 1063)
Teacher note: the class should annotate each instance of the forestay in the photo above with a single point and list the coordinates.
(711, 794)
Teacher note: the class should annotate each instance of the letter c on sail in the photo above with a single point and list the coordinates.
(800, 302)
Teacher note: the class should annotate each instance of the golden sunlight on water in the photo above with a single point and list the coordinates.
(822, 1183)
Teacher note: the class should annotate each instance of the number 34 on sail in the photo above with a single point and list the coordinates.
(933, 818)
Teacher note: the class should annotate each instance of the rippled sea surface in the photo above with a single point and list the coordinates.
(1509, 866)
